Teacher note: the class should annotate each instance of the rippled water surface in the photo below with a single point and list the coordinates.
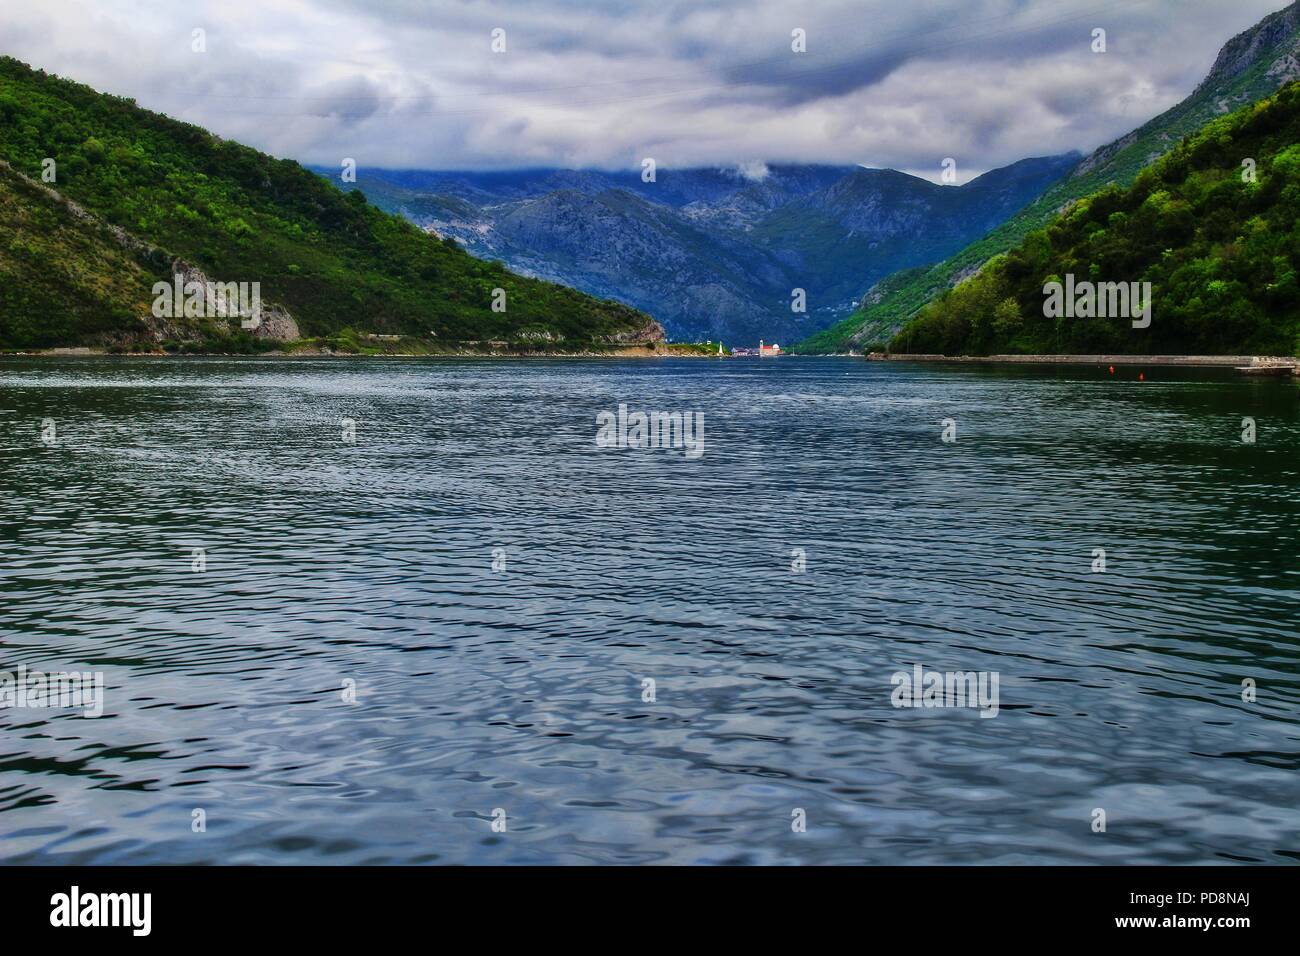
(522, 689)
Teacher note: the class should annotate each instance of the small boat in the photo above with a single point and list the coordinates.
(1270, 367)
(1266, 369)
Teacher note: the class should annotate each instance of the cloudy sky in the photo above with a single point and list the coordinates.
(416, 83)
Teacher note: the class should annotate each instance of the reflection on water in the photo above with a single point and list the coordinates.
(327, 563)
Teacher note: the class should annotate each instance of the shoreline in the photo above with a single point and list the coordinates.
(633, 352)
(1211, 361)
(1245, 363)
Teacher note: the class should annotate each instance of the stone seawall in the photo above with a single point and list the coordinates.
(1212, 360)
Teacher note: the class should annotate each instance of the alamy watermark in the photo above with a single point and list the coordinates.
(1100, 300)
(651, 430)
(74, 908)
(82, 690)
(922, 688)
(195, 299)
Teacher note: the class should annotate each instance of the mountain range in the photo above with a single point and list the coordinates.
(100, 200)
(711, 253)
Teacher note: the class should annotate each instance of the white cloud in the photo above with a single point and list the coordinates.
(415, 83)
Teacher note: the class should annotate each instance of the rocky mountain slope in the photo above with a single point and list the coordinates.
(712, 254)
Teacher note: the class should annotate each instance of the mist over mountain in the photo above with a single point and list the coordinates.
(712, 253)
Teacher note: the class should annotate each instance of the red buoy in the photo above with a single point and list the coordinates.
(1142, 376)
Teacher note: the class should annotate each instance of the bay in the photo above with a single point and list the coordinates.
(496, 590)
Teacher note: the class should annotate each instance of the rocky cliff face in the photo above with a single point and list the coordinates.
(1251, 65)
(1273, 39)
(264, 320)
(713, 254)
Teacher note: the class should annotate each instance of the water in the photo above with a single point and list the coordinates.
(372, 562)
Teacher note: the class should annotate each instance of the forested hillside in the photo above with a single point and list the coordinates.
(1250, 66)
(149, 190)
(1213, 227)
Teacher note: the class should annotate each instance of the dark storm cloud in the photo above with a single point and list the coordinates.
(353, 99)
(416, 82)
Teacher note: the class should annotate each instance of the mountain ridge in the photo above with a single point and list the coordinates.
(712, 253)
